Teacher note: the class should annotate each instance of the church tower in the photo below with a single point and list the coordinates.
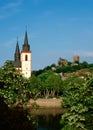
(17, 62)
(26, 58)
(23, 59)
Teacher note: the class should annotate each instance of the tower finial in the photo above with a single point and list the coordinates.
(17, 38)
(26, 28)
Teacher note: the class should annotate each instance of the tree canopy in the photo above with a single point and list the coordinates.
(78, 101)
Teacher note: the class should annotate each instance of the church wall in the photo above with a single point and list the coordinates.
(26, 64)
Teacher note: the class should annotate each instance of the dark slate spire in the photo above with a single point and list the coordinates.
(26, 46)
(17, 62)
(17, 48)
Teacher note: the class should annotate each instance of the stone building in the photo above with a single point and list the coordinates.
(62, 62)
(76, 59)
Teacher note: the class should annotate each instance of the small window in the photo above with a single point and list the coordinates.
(26, 57)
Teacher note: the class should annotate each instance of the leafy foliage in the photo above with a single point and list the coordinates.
(76, 92)
(78, 100)
(12, 84)
(51, 84)
(15, 89)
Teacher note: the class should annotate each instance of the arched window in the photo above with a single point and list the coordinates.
(26, 57)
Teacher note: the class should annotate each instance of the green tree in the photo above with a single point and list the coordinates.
(42, 78)
(12, 84)
(54, 85)
(51, 84)
(84, 64)
(78, 101)
(72, 81)
(34, 89)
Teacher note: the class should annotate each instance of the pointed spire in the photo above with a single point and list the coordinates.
(17, 47)
(26, 39)
(26, 46)
(17, 55)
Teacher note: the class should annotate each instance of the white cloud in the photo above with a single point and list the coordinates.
(68, 54)
(85, 53)
(8, 9)
(11, 5)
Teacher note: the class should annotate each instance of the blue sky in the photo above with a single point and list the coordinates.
(56, 28)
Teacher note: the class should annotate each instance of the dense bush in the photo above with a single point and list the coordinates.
(78, 101)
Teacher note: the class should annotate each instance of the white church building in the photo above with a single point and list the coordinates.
(23, 58)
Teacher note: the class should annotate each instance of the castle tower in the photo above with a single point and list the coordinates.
(76, 59)
(26, 58)
(17, 62)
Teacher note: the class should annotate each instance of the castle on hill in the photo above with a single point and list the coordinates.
(23, 58)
